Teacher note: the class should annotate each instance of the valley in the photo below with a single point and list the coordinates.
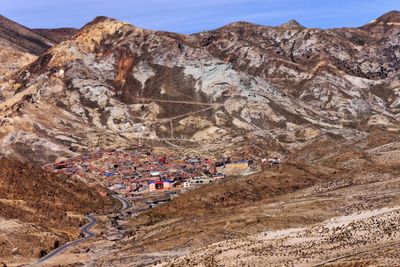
(247, 145)
(309, 211)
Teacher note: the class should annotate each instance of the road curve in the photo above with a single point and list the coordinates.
(85, 230)
(125, 203)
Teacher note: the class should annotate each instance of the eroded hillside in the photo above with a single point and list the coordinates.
(113, 83)
(325, 101)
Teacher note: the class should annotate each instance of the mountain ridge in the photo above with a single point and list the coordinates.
(284, 83)
(22, 37)
(21, 45)
(326, 103)
(57, 35)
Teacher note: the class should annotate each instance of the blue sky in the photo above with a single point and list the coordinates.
(189, 16)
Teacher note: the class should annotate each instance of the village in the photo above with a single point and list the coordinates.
(140, 172)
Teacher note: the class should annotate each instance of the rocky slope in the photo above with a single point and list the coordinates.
(19, 46)
(113, 83)
(326, 99)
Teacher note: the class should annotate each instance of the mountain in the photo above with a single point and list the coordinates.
(391, 18)
(292, 24)
(23, 38)
(280, 87)
(326, 101)
(20, 46)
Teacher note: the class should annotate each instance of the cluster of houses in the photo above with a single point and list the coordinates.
(140, 170)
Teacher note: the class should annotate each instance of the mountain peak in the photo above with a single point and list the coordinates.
(86, 40)
(391, 18)
(99, 19)
(292, 24)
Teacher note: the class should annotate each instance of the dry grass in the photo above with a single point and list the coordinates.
(39, 202)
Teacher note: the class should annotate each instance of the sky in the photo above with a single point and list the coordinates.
(190, 16)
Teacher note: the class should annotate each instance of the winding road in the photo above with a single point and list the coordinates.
(125, 203)
(85, 230)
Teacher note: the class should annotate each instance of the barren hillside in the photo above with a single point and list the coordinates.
(19, 46)
(327, 204)
(114, 83)
(39, 211)
(327, 102)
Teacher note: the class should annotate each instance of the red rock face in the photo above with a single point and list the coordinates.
(125, 66)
